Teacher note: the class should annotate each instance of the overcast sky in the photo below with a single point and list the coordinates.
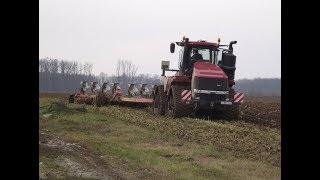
(103, 31)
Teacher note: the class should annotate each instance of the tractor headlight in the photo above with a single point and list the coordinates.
(196, 91)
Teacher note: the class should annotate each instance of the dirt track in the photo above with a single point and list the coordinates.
(79, 161)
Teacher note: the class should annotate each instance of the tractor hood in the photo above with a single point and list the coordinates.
(208, 70)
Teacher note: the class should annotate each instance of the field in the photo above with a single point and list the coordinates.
(81, 142)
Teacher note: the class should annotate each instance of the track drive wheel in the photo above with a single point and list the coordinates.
(159, 100)
(232, 112)
(175, 107)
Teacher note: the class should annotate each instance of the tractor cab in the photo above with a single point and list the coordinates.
(193, 54)
(195, 51)
(208, 53)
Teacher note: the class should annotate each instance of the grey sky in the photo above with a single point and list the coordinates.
(103, 31)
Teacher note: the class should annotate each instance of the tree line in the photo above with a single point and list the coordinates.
(259, 86)
(58, 75)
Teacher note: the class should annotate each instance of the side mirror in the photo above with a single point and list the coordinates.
(172, 47)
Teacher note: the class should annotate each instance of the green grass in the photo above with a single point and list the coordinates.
(160, 147)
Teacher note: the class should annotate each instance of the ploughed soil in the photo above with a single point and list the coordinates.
(265, 111)
(262, 110)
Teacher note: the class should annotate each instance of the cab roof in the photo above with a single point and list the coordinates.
(198, 43)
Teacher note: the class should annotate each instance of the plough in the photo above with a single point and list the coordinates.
(111, 93)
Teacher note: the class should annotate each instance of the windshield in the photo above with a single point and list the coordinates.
(205, 54)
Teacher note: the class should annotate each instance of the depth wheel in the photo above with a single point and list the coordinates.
(159, 100)
(71, 98)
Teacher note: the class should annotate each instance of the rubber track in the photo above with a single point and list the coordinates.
(180, 108)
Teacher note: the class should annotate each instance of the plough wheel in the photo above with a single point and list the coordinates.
(71, 98)
(159, 100)
(100, 99)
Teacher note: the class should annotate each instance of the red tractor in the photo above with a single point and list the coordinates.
(203, 83)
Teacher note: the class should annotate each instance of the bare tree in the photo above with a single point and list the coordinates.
(54, 65)
(118, 69)
(87, 69)
(62, 66)
(103, 77)
(68, 68)
(80, 68)
(90, 69)
(44, 65)
(126, 72)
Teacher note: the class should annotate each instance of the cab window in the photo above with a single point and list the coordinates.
(207, 54)
(219, 56)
